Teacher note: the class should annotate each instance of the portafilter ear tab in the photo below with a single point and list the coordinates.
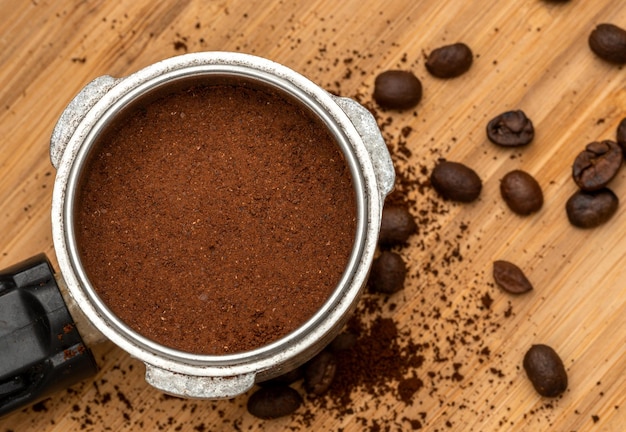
(41, 350)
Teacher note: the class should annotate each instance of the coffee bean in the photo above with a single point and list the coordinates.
(397, 89)
(286, 378)
(388, 273)
(396, 226)
(510, 129)
(455, 181)
(510, 277)
(591, 209)
(545, 370)
(450, 61)
(608, 42)
(273, 402)
(319, 373)
(521, 192)
(343, 342)
(621, 135)
(595, 166)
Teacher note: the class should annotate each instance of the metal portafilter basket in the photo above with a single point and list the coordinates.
(48, 319)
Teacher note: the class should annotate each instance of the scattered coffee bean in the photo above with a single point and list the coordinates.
(591, 209)
(455, 181)
(510, 277)
(396, 226)
(285, 379)
(621, 135)
(319, 373)
(521, 192)
(608, 42)
(388, 273)
(595, 166)
(545, 370)
(273, 402)
(450, 61)
(397, 89)
(511, 129)
(343, 342)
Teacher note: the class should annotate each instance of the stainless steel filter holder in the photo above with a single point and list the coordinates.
(211, 376)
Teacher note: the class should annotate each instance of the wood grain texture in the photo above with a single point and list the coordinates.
(529, 54)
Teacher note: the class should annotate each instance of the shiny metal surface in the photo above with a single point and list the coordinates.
(210, 376)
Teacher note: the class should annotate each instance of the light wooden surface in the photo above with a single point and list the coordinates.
(529, 54)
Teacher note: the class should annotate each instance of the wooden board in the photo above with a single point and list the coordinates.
(529, 54)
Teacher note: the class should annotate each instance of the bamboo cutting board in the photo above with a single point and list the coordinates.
(529, 54)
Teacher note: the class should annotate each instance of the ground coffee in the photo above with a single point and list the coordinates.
(216, 219)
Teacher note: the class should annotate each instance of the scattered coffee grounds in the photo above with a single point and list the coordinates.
(180, 45)
(408, 388)
(396, 226)
(456, 181)
(510, 277)
(376, 364)
(608, 42)
(596, 166)
(591, 209)
(621, 135)
(397, 89)
(450, 61)
(545, 370)
(510, 129)
(388, 273)
(521, 192)
(319, 373)
(217, 218)
(272, 402)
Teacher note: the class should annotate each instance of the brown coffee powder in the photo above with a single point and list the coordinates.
(216, 219)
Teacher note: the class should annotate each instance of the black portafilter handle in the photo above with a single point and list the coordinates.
(41, 350)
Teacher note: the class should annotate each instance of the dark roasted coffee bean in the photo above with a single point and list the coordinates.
(450, 61)
(397, 89)
(273, 402)
(455, 181)
(286, 378)
(344, 341)
(591, 209)
(621, 135)
(396, 226)
(319, 373)
(510, 129)
(521, 192)
(388, 273)
(608, 41)
(545, 370)
(595, 166)
(510, 277)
